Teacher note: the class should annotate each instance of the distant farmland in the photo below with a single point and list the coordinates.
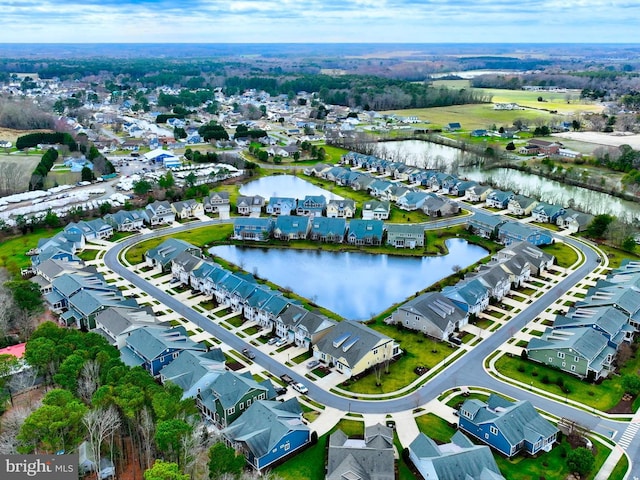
(15, 171)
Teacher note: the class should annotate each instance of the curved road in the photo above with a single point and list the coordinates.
(467, 370)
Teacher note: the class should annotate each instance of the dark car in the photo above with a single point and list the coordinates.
(281, 391)
(248, 353)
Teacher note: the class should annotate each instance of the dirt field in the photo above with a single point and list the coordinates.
(12, 135)
(610, 139)
(16, 170)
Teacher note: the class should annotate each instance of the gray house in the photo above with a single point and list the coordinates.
(405, 236)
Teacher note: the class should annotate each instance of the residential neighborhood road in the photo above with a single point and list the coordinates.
(466, 371)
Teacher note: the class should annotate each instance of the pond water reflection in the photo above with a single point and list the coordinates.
(354, 285)
(284, 186)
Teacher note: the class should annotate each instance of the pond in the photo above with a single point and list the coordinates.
(285, 186)
(356, 286)
(429, 155)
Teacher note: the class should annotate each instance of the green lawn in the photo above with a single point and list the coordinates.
(87, 255)
(565, 255)
(435, 427)
(603, 397)
(458, 399)
(199, 237)
(620, 469)
(13, 249)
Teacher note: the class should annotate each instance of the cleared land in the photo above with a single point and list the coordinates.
(16, 171)
(600, 138)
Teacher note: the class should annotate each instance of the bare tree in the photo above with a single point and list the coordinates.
(11, 423)
(146, 427)
(102, 424)
(88, 382)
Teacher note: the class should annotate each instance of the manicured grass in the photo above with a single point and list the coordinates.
(88, 255)
(208, 305)
(301, 358)
(236, 321)
(418, 351)
(458, 399)
(603, 397)
(435, 427)
(616, 256)
(120, 235)
(334, 154)
(199, 237)
(620, 469)
(565, 255)
(252, 330)
(13, 249)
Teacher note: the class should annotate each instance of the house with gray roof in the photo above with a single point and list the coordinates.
(432, 314)
(230, 394)
(250, 205)
(91, 230)
(183, 265)
(478, 193)
(499, 199)
(338, 208)
(583, 352)
(485, 225)
(354, 348)
(609, 321)
(371, 457)
(300, 326)
(115, 323)
(363, 182)
(471, 295)
(539, 260)
(187, 209)
(48, 270)
(365, 232)
(436, 206)
(509, 427)
(312, 206)
(125, 221)
(254, 229)
(268, 432)
(573, 220)
(291, 227)
(282, 206)
(326, 229)
(375, 210)
(514, 232)
(521, 205)
(162, 255)
(494, 278)
(401, 235)
(459, 459)
(378, 188)
(192, 371)
(155, 347)
(159, 213)
(217, 202)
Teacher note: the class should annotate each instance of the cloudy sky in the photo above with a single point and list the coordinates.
(303, 21)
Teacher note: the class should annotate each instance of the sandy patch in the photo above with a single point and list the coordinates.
(609, 139)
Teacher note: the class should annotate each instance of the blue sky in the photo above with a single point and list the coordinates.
(303, 21)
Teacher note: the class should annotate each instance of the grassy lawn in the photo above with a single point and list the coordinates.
(334, 154)
(418, 351)
(603, 397)
(120, 235)
(435, 427)
(620, 469)
(565, 255)
(208, 304)
(616, 256)
(13, 249)
(458, 399)
(301, 358)
(252, 330)
(236, 321)
(199, 237)
(87, 255)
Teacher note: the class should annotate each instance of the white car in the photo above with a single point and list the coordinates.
(300, 388)
(281, 342)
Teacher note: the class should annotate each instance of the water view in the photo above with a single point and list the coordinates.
(356, 286)
(428, 155)
(285, 186)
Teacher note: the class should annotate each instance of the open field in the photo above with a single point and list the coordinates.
(600, 138)
(12, 135)
(16, 169)
(565, 103)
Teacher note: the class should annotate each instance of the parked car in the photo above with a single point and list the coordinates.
(248, 353)
(281, 342)
(286, 379)
(272, 340)
(300, 387)
(313, 364)
(281, 391)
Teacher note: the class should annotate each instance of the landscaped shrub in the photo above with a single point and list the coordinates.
(545, 379)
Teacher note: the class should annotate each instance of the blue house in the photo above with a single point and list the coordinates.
(268, 431)
(258, 229)
(471, 296)
(312, 206)
(509, 427)
(485, 225)
(155, 347)
(365, 232)
(499, 199)
(328, 229)
(281, 206)
(514, 232)
(291, 227)
(547, 213)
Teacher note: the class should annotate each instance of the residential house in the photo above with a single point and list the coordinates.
(229, 395)
(412, 200)
(353, 348)
(521, 205)
(375, 210)
(188, 209)
(251, 206)
(461, 187)
(115, 323)
(48, 270)
(341, 208)
(192, 371)
(301, 327)
(288, 227)
(162, 255)
(159, 213)
(282, 206)
(182, 266)
(268, 432)
(518, 268)
(583, 352)
(365, 232)
(485, 225)
(539, 260)
(372, 456)
(256, 229)
(155, 347)
(405, 235)
(379, 188)
(514, 232)
(62, 246)
(495, 279)
(316, 170)
(92, 230)
(436, 206)
(508, 427)
(499, 199)
(546, 213)
(325, 229)
(125, 221)
(312, 206)
(573, 220)
(363, 182)
(544, 147)
(609, 321)
(217, 202)
(453, 127)
(478, 193)
(456, 460)
(471, 295)
(432, 314)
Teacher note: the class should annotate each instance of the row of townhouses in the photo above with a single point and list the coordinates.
(585, 340)
(441, 314)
